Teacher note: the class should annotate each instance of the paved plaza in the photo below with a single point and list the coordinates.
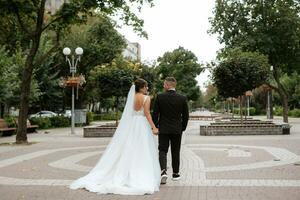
(212, 167)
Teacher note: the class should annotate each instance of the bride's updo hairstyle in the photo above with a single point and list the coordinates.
(139, 84)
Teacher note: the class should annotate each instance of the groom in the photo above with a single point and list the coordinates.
(170, 115)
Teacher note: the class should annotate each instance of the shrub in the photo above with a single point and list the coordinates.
(60, 121)
(259, 110)
(89, 117)
(278, 111)
(11, 122)
(252, 111)
(294, 113)
(51, 122)
(106, 116)
(43, 123)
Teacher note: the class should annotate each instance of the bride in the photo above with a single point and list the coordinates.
(130, 164)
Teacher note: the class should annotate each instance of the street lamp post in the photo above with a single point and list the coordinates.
(269, 101)
(73, 65)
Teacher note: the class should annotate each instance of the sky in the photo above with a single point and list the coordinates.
(174, 23)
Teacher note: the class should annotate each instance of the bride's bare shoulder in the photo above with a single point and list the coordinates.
(139, 96)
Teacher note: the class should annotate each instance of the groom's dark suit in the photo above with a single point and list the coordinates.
(170, 115)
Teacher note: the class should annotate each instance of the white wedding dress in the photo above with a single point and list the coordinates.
(130, 164)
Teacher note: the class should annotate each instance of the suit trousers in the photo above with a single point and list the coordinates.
(164, 140)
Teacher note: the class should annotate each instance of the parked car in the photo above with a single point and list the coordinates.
(67, 113)
(44, 113)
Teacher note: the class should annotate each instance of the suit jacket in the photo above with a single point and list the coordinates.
(170, 112)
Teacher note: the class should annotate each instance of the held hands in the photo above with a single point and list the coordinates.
(155, 131)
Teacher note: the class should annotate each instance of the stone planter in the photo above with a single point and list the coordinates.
(107, 130)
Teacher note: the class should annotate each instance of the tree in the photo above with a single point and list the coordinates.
(31, 20)
(101, 43)
(199, 102)
(11, 67)
(46, 75)
(183, 65)
(210, 95)
(292, 85)
(239, 72)
(99, 39)
(113, 80)
(268, 26)
(5, 63)
(148, 73)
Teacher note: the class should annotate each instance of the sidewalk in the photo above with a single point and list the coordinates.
(222, 167)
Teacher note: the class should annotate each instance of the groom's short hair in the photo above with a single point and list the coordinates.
(171, 80)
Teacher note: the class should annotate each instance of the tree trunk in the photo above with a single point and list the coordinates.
(246, 106)
(285, 105)
(283, 95)
(232, 108)
(2, 111)
(117, 109)
(26, 78)
(241, 109)
(24, 100)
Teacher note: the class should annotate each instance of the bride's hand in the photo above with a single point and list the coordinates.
(155, 131)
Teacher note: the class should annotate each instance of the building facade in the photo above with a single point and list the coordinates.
(53, 5)
(132, 51)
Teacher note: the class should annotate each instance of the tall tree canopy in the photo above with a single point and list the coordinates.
(183, 65)
(240, 72)
(26, 20)
(271, 27)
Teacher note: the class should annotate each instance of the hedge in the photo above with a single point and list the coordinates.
(50, 122)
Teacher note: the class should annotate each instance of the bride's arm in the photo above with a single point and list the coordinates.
(148, 115)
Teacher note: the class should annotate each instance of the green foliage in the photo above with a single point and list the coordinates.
(50, 122)
(26, 21)
(292, 85)
(10, 67)
(43, 123)
(278, 110)
(107, 116)
(113, 80)
(239, 72)
(18, 18)
(270, 27)
(5, 63)
(294, 113)
(198, 103)
(48, 94)
(10, 121)
(259, 110)
(149, 74)
(99, 39)
(89, 117)
(252, 111)
(210, 96)
(183, 65)
(60, 121)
